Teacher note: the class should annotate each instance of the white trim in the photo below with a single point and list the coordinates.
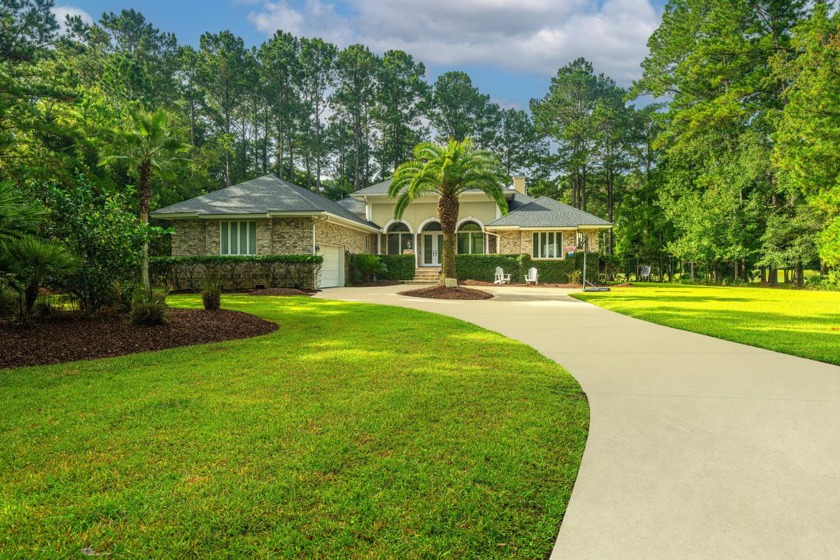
(469, 219)
(350, 223)
(426, 221)
(393, 221)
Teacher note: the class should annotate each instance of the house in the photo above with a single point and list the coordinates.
(269, 215)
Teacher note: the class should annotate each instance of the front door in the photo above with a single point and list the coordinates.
(432, 248)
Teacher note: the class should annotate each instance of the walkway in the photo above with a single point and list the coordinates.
(698, 448)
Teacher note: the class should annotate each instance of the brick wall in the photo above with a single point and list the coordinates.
(291, 236)
(353, 240)
(189, 238)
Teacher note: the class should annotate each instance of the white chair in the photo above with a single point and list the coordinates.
(501, 277)
(531, 277)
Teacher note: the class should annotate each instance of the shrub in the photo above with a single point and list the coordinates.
(148, 313)
(211, 296)
(369, 266)
(483, 267)
(9, 302)
(575, 276)
(399, 267)
(236, 272)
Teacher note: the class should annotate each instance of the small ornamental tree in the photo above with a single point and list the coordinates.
(448, 171)
(106, 237)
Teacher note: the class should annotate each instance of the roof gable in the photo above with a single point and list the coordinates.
(263, 195)
(547, 212)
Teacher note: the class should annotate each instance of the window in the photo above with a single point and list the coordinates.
(547, 245)
(238, 238)
(470, 239)
(399, 239)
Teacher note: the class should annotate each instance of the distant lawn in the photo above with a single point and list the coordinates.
(354, 431)
(798, 322)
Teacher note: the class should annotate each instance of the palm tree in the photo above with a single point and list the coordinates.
(447, 171)
(18, 217)
(149, 146)
(30, 260)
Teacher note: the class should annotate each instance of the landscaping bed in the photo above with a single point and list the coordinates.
(77, 338)
(442, 292)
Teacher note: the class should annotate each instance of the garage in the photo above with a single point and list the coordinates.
(332, 271)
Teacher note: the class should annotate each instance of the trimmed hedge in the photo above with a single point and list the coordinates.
(483, 267)
(237, 272)
(398, 267)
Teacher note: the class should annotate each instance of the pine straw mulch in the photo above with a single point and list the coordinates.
(442, 292)
(73, 338)
(279, 292)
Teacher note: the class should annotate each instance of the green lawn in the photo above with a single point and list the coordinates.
(354, 431)
(798, 322)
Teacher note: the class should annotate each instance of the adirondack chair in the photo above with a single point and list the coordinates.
(501, 277)
(531, 277)
(645, 273)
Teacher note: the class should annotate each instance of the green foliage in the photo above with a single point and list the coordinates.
(33, 260)
(447, 171)
(104, 235)
(237, 272)
(148, 313)
(211, 295)
(368, 266)
(26, 26)
(460, 111)
(483, 267)
(398, 267)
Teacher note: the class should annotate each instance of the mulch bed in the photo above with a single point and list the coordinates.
(625, 285)
(442, 292)
(78, 338)
(518, 284)
(279, 292)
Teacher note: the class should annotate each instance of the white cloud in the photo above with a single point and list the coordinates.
(519, 35)
(62, 12)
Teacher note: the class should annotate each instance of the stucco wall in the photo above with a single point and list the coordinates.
(352, 240)
(425, 208)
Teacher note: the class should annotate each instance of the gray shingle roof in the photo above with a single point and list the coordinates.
(354, 205)
(260, 196)
(378, 188)
(547, 212)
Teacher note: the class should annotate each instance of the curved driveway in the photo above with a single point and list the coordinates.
(698, 448)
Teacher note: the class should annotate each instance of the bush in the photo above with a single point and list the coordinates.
(237, 272)
(9, 302)
(483, 267)
(148, 313)
(211, 296)
(399, 267)
(369, 266)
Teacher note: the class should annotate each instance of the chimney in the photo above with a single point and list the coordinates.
(519, 184)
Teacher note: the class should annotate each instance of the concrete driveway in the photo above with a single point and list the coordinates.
(698, 448)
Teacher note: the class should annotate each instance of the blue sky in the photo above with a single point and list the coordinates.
(511, 48)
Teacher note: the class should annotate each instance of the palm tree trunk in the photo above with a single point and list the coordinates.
(145, 200)
(448, 208)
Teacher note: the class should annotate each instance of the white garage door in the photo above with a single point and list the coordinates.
(333, 267)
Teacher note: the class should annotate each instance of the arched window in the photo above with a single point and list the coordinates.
(432, 226)
(470, 239)
(399, 238)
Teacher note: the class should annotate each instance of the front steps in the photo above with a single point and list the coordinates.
(425, 275)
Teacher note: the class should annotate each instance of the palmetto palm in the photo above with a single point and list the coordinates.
(149, 146)
(447, 171)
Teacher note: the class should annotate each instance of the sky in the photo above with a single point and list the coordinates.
(510, 48)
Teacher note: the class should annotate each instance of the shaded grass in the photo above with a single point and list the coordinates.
(354, 431)
(798, 322)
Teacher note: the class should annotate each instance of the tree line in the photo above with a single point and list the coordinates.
(732, 170)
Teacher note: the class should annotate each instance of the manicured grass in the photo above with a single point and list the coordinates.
(798, 322)
(354, 431)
